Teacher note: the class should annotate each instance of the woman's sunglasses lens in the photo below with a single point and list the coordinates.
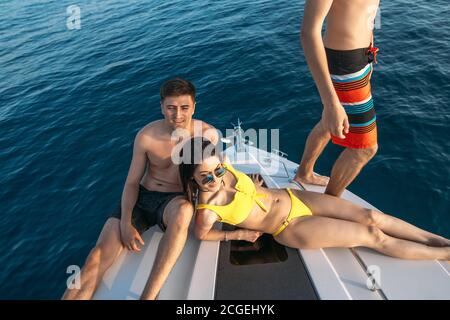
(220, 172)
(208, 179)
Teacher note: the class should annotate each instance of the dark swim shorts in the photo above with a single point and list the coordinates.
(149, 209)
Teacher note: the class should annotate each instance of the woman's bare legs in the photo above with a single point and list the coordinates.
(313, 232)
(332, 207)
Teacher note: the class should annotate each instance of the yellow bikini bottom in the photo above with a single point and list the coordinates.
(298, 209)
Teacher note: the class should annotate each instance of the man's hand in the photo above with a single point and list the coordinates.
(130, 237)
(249, 235)
(335, 120)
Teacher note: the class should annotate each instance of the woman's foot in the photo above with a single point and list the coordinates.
(445, 254)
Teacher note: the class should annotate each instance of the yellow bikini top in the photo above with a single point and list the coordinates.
(240, 207)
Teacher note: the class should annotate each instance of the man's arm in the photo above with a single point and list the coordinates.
(334, 118)
(131, 191)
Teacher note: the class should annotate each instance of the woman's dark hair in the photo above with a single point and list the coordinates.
(177, 87)
(192, 154)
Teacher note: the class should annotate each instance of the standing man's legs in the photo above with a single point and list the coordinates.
(350, 72)
(347, 167)
(177, 217)
(316, 142)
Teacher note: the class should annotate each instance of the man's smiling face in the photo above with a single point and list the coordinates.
(178, 111)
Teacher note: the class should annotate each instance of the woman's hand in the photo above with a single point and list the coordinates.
(130, 237)
(248, 235)
(257, 179)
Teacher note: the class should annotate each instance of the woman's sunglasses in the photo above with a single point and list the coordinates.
(218, 172)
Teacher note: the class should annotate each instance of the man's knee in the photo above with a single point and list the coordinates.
(370, 152)
(365, 154)
(181, 215)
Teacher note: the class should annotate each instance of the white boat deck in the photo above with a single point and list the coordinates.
(336, 273)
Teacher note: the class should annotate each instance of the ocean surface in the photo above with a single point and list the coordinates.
(71, 102)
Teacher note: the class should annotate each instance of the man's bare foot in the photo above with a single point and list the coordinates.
(312, 178)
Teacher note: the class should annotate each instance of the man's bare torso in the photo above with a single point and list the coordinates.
(161, 173)
(348, 24)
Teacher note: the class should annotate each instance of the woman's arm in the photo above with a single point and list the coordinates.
(204, 222)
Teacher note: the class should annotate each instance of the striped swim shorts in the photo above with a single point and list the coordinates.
(350, 73)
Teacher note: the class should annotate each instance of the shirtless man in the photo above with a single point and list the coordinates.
(152, 195)
(341, 65)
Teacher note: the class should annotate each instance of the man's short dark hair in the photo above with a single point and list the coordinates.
(177, 87)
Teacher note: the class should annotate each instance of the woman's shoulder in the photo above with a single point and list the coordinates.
(204, 198)
(206, 216)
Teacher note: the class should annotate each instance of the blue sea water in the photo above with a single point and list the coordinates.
(71, 102)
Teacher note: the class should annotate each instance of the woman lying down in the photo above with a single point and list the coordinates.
(295, 218)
